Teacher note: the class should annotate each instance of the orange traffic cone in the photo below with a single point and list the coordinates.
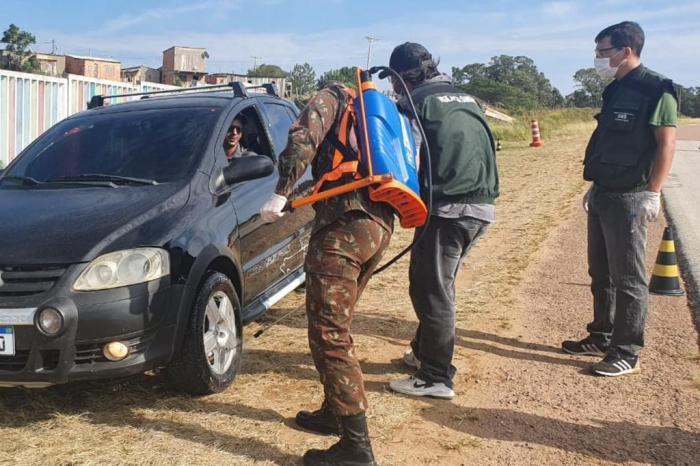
(536, 140)
(665, 280)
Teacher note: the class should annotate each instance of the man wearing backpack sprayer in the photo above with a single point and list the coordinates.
(349, 237)
(464, 187)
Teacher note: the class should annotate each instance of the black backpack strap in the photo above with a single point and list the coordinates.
(332, 136)
(348, 153)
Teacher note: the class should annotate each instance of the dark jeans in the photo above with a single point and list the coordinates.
(616, 263)
(435, 260)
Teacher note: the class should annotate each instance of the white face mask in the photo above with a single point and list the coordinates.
(603, 68)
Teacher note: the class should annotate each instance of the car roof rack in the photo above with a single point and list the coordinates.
(239, 90)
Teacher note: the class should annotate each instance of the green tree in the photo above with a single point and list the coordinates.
(590, 87)
(21, 58)
(302, 79)
(511, 82)
(689, 99)
(267, 71)
(344, 75)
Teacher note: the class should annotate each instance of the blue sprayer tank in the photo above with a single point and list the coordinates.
(392, 151)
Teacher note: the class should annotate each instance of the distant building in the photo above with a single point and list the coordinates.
(184, 66)
(222, 78)
(93, 67)
(225, 78)
(52, 65)
(137, 74)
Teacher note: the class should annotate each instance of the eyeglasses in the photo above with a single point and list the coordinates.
(236, 129)
(599, 52)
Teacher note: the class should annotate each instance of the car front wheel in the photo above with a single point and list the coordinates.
(211, 353)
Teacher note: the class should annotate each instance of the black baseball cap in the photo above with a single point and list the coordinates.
(406, 57)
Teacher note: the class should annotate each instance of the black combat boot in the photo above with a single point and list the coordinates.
(321, 421)
(353, 449)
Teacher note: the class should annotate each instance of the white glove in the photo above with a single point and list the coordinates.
(651, 204)
(271, 211)
(586, 198)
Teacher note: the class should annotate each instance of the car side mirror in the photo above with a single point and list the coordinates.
(249, 167)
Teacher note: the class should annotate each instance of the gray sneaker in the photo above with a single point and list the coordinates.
(416, 387)
(410, 359)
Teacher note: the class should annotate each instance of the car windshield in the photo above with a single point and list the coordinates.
(159, 145)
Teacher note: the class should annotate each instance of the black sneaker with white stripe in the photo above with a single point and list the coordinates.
(585, 347)
(614, 365)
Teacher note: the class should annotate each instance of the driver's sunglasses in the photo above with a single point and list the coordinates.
(237, 129)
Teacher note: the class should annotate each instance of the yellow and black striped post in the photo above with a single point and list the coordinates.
(665, 280)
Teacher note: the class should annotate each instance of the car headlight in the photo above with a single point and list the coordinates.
(123, 268)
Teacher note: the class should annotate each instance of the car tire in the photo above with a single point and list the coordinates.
(211, 353)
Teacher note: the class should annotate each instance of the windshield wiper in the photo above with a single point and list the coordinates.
(24, 180)
(104, 177)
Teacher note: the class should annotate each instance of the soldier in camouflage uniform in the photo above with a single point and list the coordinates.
(349, 237)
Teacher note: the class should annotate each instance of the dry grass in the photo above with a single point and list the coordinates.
(552, 123)
(683, 121)
(141, 421)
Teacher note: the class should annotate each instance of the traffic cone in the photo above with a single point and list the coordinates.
(665, 280)
(536, 140)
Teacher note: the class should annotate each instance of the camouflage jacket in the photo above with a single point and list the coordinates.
(307, 144)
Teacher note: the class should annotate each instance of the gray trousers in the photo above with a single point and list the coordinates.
(616, 263)
(435, 260)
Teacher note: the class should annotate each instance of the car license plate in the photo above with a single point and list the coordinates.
(7, 341)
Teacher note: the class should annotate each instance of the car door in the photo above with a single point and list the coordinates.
(260, 245)
(280, 116)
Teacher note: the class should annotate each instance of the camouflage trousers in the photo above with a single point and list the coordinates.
(340, 262)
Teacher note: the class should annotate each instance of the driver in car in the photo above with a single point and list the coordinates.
(232, 142)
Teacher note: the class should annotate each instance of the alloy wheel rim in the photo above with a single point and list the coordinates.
(220, 335)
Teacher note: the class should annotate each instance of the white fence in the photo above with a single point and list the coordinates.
(31, 103)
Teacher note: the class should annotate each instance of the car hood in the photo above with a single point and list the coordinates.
(70, 225)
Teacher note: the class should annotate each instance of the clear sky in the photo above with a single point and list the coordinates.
(557, 35)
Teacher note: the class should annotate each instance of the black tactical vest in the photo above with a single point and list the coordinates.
(621, 151)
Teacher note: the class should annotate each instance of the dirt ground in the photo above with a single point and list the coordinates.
(519, 399)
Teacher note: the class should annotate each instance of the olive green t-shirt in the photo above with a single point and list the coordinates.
(666, 112)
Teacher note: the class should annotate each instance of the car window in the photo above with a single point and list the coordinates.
(253, 138)
(280, 121)
(160, 144)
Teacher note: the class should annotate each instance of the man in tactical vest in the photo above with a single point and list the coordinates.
(349, 237)
(628, 159)
(464, 187)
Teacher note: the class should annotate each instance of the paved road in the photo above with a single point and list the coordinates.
(682, 200)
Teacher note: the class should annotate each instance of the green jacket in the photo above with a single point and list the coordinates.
(462, 149)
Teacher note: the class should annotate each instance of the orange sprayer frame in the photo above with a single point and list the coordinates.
(382, 188)
(370, 179)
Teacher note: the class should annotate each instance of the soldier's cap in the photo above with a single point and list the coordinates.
(406, 57)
